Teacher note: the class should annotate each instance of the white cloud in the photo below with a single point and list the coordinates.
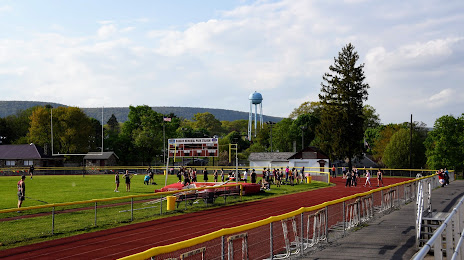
(413, 58)
(443, 96)
(106, 30)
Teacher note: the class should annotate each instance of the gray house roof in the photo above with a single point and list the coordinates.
(274, 157)
(21, 152)
(310, 153)
(99, 156)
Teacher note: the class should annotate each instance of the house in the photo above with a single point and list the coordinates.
(269, 160)
(309, 157)
(26, 155)
(101, 159)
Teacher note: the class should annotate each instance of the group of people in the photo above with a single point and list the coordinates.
(354, 175)
(443, 177)
(189, 175)
(127, 178)
(283, 176)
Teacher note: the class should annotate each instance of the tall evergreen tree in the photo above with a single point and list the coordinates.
(342, 94)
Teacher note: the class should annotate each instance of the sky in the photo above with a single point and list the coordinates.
(214, 54)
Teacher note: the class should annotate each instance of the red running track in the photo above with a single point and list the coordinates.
(123, 241)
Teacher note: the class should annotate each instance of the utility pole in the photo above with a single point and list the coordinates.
(410, 148)
(303, 128)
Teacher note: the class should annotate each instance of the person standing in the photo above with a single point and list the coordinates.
(187, 177)
(245, 175)
(379, 178)
(194, 175)
(128, 178)
(31, 170)
(286, 174)
(116, 180)
(180, 173)
(215, 175)
(222, 174)
(205, 175)
(446, 175)
(333, 171)
(441, 178)
(21, 191)
(348, 179)
(368, 177)
(253, 176)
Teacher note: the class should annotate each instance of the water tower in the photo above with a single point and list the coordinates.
(255, 99)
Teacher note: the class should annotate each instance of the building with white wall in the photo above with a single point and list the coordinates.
(309, 157)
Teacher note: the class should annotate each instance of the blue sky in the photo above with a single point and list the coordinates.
(216, 53)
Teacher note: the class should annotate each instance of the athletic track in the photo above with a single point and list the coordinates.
(119, 242)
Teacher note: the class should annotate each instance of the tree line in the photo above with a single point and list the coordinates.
(339, 123)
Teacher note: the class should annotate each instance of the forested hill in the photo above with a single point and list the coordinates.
(12, 107)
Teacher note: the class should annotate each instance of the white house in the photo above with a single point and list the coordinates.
(309, 157)
(269, 160)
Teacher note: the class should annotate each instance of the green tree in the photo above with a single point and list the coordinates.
(141, 135)
(313, 108)
(113, 124)
(445, 143)
(209, 122)
(380, 143)
(15, 127)
(39, 131)
(342, 94)
(396, 153)
(112, 130)
(304, 129)
(6, 132)
(283, 136)
(73, 131)
(371, 118)
(240, 126)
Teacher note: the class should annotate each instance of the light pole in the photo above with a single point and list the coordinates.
(303, 128)
(270, 123)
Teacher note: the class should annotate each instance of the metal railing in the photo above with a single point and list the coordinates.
(448, 238)
(268, 240)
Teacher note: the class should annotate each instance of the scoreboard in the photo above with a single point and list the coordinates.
(193, 147)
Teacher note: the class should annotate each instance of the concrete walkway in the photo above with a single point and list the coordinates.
(392, 236)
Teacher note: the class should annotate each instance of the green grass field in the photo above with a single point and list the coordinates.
(68, 221)
(68, 188)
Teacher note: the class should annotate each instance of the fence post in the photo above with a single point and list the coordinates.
(271, 234)
(327, 224)
(437, 248)
(223, 256)
(132, 209)
(301, 233)
(95, 213)
(381, 200)
(53, 220)
(398, 195)
(449, 239)
(344, 219)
